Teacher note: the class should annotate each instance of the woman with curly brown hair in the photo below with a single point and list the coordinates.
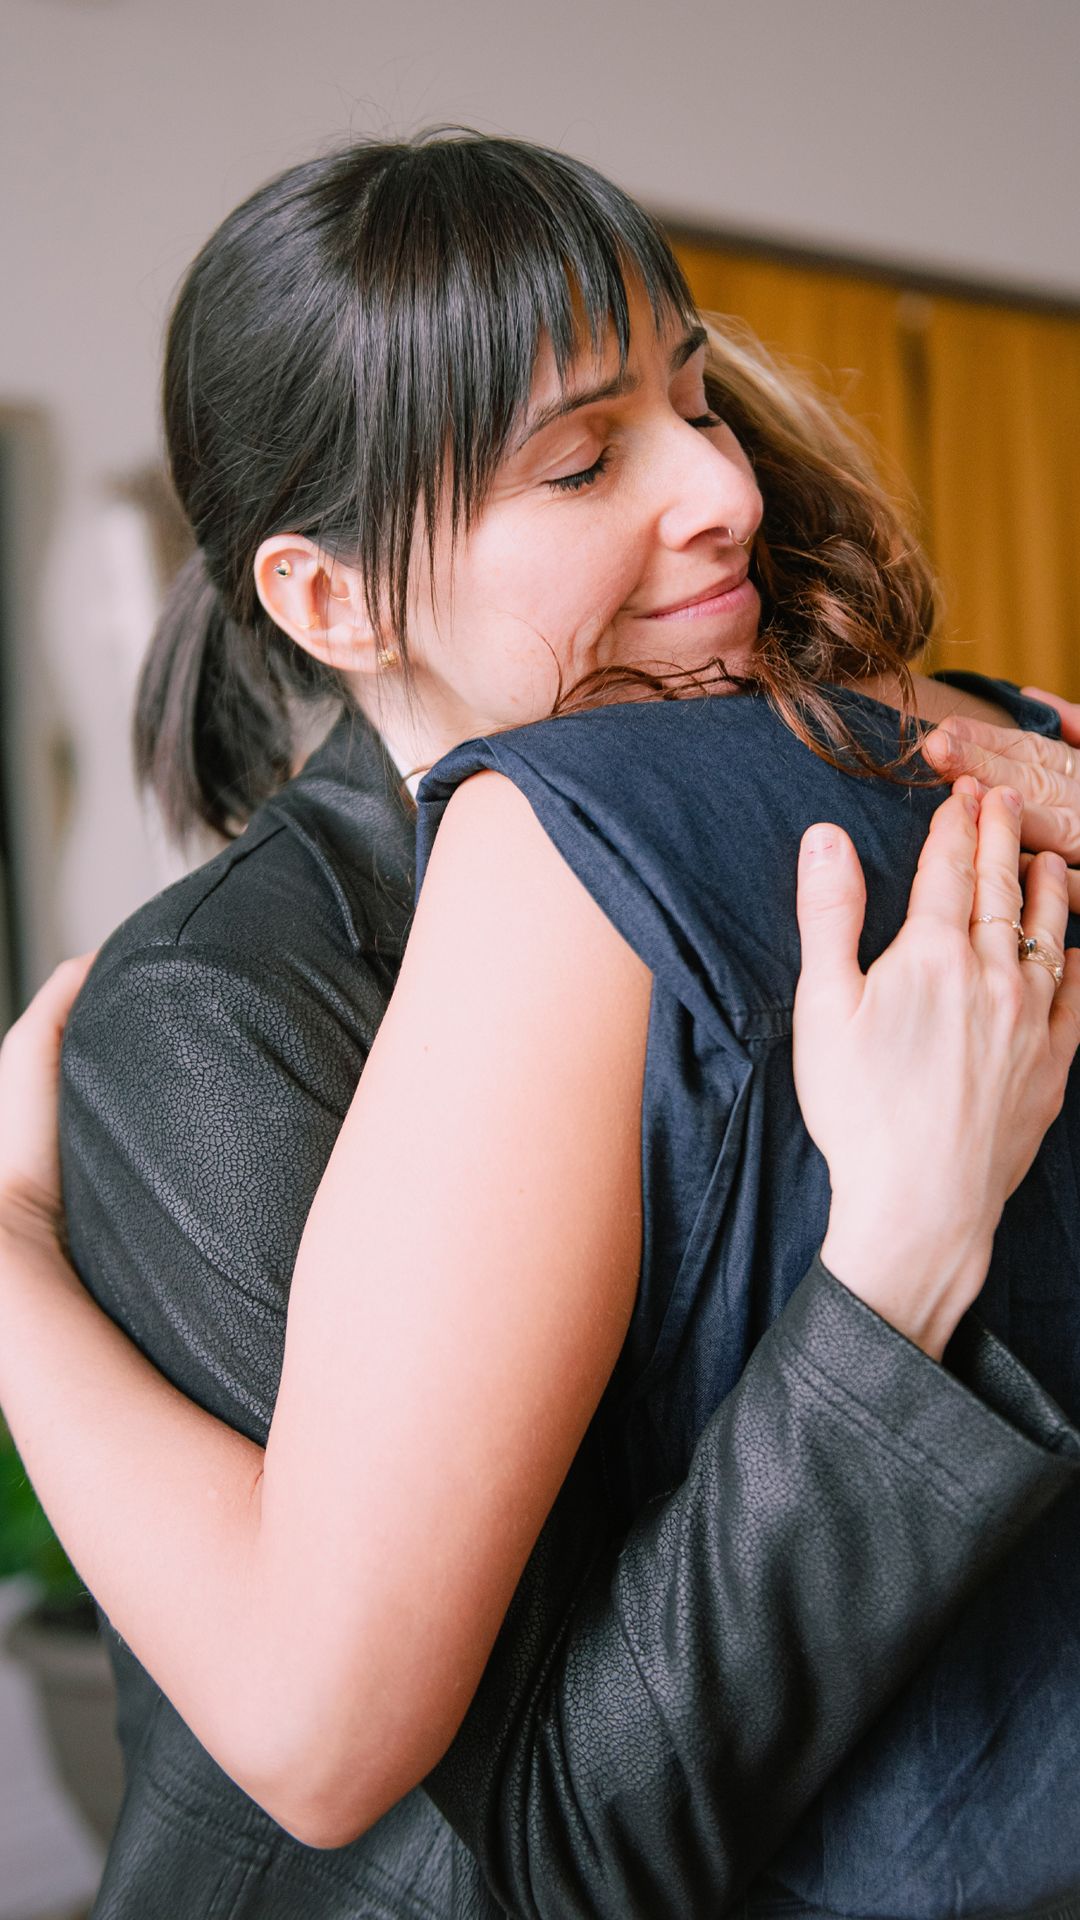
(456, 447)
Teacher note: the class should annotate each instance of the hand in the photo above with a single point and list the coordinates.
(1067, 711)
(929, 1082)
(1046, 773)
(29, 1080)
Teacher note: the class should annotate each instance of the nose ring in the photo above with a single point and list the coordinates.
(734, 538)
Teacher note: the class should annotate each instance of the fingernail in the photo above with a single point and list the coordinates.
(818, 843)
(971, 803)
(1055, 866)
(1012, 800)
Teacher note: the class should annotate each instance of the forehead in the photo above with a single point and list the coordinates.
(596, 355)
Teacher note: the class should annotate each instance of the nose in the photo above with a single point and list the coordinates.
(707, 489)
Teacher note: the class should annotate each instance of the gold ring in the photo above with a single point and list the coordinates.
(988, 919)
(1043, 957)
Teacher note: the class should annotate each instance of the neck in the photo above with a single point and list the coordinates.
(403, 726)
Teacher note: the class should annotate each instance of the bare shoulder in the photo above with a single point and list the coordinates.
(498, 889)
(489, 824)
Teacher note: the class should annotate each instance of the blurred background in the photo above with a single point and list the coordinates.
(887, 193)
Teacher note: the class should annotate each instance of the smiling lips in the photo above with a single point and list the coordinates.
(715, 599)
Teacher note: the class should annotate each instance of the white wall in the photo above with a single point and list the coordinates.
(941, 132)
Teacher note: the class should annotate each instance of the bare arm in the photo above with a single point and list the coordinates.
(475, 1367)
(439, 1416)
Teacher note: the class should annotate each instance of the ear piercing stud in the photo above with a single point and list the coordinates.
(283, 568)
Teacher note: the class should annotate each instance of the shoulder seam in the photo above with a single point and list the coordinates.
(311, 846)
(241, 855)
(284, 823)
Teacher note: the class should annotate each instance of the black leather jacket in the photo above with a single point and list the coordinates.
(658, 1710)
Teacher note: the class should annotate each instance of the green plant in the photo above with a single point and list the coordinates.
(27, 1542)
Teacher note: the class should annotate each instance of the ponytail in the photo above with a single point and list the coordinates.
(213, 725)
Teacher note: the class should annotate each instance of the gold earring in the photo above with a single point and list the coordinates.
(388, 656)
(283, 568)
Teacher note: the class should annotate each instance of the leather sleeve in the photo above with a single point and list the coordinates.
(202, 1090)
(686, 1702)
(656, 1713)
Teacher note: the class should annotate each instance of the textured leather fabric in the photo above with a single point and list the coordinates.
(845, 1500)
(657, 1711)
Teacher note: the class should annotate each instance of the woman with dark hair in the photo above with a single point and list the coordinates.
(448, 429)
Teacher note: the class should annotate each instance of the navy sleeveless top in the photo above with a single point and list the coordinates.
(683, 820)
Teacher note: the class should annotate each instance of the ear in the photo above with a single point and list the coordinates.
(318, 601)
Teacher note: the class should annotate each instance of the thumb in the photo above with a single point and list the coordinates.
(39, 1030)
(1068, 712)
(831, 906)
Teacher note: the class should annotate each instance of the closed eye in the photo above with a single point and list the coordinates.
(574, 482)
(587, 477)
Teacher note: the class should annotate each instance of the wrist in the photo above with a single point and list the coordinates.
(920, 1282)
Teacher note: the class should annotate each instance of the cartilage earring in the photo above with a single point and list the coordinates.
(283, 568)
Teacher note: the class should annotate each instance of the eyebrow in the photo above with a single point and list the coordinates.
(623, 383)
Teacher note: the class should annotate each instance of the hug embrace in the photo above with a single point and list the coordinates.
(576, 1410)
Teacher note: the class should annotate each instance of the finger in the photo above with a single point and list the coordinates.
(1072, 880)
(998, 897)
(944, 885)
(1054, 829)
(1046, 772)
(967, 783)
(959, 743)
(1045, 918)
(1065, 1014)
(52, 1003)
(1067, 710)
(831, 907)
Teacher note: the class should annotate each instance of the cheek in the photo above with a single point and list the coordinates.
(563, 579)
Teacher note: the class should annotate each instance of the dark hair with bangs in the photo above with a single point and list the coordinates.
(354, 345)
